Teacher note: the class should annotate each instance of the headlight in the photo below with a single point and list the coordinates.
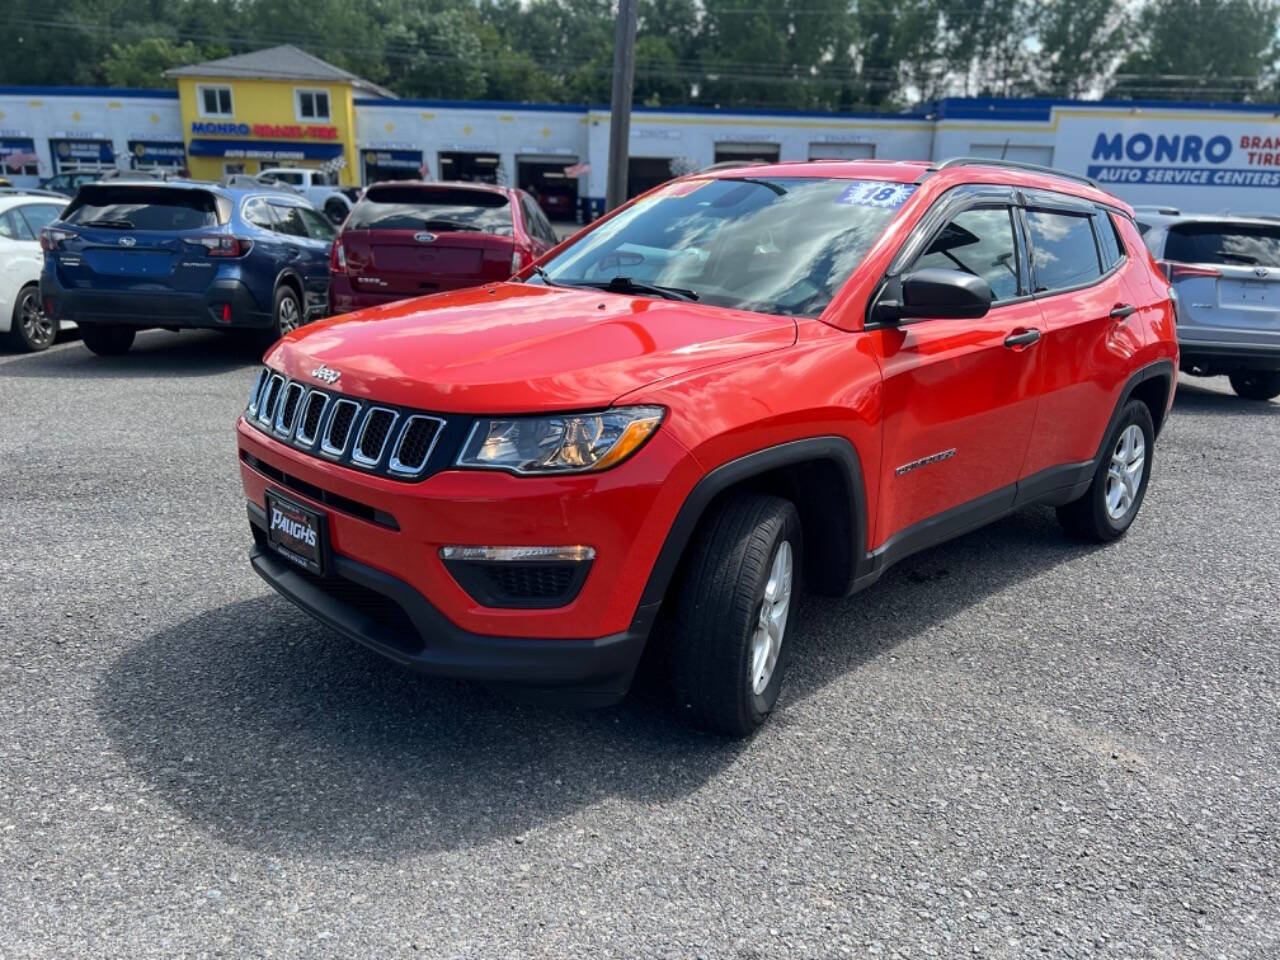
(563, 443)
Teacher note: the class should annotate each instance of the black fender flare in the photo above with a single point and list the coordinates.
(1159, 368)
(835, 449)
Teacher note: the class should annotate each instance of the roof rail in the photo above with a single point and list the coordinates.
(1016, 165)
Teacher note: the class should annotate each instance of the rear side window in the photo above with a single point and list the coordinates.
(143, 208)
(1109, 239)
(1063, 250)
(1224, 243)
(432, 208)
(318, 228)
(13, 227)
(289, 220)
(980, 242)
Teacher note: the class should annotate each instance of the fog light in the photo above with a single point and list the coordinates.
(519, 577)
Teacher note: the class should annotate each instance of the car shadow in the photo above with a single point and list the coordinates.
(155, 353)
(278, 735)
(1195, 398)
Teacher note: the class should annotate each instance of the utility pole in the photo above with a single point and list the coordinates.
(624, 77)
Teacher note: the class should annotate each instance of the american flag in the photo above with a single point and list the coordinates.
(577, 169)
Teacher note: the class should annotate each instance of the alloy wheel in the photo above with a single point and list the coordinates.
(38, 328)
(288, 314)
(766, 643)
(1124, 476)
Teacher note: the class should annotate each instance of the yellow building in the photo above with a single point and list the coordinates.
(279, 107)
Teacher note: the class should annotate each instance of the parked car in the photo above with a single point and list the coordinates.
(22, 319)
(408, 239)
(1225, 271)
(68, 183)
(737, 384)
(319, 187)
(127, 256)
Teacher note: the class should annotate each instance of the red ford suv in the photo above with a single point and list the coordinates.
(735, 385)
(409, 239)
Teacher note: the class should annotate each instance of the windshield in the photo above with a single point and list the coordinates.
(432, 208)
(782, 245)
(1224, 243)
(143, 208)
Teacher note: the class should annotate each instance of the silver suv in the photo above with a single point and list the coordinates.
(1225, 271)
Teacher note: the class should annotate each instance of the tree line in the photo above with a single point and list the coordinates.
(798, 54)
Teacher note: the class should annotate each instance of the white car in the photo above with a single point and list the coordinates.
(23, 324)
(318, 187)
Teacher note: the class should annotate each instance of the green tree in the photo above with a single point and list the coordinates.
(1077, 42)
(444, 58)
(142, 64)
(1201, 50)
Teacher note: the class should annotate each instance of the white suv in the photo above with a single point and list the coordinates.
(23, 324)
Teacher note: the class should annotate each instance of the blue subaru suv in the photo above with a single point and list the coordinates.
(127, 256)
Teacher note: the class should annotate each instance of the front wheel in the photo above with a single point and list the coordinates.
(31, 329)
(732, 613)
(106, 340)
(1119, 486)
(1256, 384)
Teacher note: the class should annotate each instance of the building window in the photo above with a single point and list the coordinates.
(214, 101)
(312, 104)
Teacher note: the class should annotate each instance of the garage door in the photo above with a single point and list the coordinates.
(842, 151)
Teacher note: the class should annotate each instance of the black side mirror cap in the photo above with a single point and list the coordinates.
(932, 293)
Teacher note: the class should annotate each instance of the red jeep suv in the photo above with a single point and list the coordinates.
(736, 384)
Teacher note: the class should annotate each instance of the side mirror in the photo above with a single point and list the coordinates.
(935, 294)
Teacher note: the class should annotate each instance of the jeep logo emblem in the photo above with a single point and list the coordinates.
(425, 237)
(126, 241)
(327, 374)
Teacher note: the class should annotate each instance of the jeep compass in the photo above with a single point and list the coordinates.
(739, 384)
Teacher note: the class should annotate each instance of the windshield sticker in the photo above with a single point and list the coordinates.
(876, 193)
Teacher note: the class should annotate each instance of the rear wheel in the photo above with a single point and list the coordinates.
(1256, 384)
(335, 210)
(107, 340)
(286, 316)
(31, 330)
(732, 612)
(1119, 485)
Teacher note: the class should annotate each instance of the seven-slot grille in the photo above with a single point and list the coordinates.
(370, 436)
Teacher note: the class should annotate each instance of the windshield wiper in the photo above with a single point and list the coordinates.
(112, 224)
(1242, 257)
(440, 224)
(624, 284)
(545, 277)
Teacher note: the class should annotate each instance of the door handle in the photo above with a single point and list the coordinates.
(1023, 338)
(1122, 311)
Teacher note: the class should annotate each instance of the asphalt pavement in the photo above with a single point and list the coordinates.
(1013, 745)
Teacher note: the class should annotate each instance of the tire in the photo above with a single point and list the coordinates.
(286, 316)
(1256, 384)
(749, 544)
(106, 340)
(1112, 502)
(336, 211)
(30, 330)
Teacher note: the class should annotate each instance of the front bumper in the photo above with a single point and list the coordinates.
(157, 308)
(389, 616)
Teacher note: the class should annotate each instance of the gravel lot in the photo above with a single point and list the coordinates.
(1013, 745)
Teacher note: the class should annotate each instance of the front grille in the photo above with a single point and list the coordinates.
(374, 433)
(374, 437)
(288, 408)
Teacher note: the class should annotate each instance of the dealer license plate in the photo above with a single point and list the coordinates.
(296, 532)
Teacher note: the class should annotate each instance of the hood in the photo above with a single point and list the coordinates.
(518, 348)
